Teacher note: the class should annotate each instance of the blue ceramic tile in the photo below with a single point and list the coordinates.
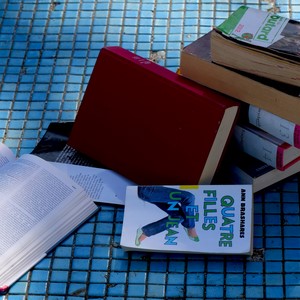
(78, 289)
(48, 50)
(80, 264)
(59, 276)
(79, 276)
(214, 292)
(98, 277)
(273, 267)
(254, 292)
(18, 287)
(292, 292)
(37, 288)
(141, 277)
(57, 288)
(157, 291)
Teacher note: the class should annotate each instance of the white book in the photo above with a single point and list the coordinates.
(213, 219)
(265, 147)
(283, 129)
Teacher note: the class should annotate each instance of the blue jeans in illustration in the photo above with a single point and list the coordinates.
(160, 196)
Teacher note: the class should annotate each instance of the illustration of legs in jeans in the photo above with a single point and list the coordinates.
(178, 204)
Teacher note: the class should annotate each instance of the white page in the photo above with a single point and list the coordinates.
(6, 155)
(26, 199)
(101, 185)
(41, 206)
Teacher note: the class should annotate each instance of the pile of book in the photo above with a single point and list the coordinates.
(258, 63)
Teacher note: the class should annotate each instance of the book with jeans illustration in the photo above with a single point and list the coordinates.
(213, 219)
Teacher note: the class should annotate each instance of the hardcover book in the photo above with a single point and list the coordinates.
(275, 97)
(259, 42)
(150, 124)
(214, 219)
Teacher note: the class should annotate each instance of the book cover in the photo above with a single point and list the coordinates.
(265, 147)
(259, 42)
(149, 124)
(278, 98)
(213, 219)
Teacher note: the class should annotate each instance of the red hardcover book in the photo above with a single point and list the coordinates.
(150, 124)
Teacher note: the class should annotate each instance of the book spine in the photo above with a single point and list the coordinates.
(285, 130)
(297, 136)
(256, 146)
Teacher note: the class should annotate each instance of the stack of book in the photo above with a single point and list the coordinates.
(257, 63)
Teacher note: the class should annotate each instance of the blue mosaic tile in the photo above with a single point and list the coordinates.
(157, 291)
(292, 292)
(59, 276)
(37, 288)
(98, 277)
(48, 50)
(215, 292)
(254, 292)
(57, 288)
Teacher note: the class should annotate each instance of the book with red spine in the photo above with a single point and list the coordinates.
(265, 147)
(281, 128)
(150, 124)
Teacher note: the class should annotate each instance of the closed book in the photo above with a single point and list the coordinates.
(265, 147)
(150, 124)
(259, 42)
(283, 129)
(242, 168)
(278, 98)
(215, 219)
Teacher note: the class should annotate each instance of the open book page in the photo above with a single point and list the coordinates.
(6, 155)
(37, 206)
(101, 185)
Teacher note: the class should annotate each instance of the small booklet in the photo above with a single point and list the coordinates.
(40, 205)
(215, 219)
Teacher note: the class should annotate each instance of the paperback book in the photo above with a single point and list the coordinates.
(265, 147)
(241, 168)
(275, 97)
(214, 219)
(283, 129)
(259, 42)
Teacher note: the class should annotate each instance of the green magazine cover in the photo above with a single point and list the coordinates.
(263, 29)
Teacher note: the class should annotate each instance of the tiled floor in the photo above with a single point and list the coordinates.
(47, 52)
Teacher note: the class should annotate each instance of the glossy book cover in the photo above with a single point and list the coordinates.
(213, 219)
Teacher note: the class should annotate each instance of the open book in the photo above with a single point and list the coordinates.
(40, 205)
